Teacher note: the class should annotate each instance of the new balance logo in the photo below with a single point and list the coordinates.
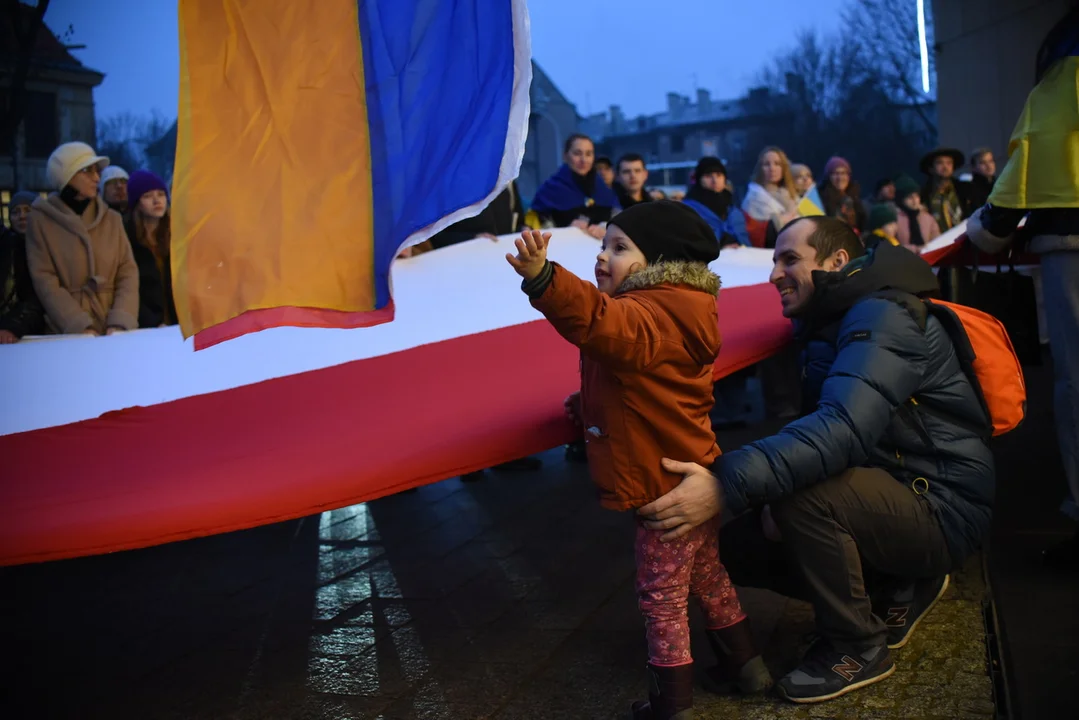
(897, 617)
(847, 667)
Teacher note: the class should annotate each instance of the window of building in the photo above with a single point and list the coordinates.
(678, 144)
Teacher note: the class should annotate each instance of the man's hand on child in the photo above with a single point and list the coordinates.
(698, 498)
(531, 254)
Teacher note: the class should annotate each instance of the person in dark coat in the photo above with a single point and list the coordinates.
(148, 227)
(975, 192)
(713, 201)
(576, 195)
(942, 193)
(632, 176)
(21, 313)
(503, 216)
(885, 485)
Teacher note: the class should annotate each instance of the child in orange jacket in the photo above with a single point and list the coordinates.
(649, 334)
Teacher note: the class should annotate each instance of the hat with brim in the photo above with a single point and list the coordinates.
(926, 165)
(69, 159)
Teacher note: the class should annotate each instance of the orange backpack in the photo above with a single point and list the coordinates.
(987, 357)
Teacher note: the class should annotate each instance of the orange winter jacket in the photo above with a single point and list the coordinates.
(646, 373)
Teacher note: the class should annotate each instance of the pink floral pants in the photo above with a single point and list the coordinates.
(667, 574)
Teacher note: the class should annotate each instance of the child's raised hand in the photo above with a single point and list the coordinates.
(531, 254)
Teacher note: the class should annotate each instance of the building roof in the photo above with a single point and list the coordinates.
(48, 54)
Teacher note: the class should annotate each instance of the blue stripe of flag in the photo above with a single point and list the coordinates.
(439, 79)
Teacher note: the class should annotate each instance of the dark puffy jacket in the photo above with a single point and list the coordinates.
(21, 313)
(865, 358)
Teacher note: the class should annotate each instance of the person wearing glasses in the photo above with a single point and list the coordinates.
(80, 259)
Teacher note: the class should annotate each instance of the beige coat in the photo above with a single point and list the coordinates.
(82, 267)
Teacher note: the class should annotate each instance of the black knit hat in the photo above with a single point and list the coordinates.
(708, 165)
(926, 165)
(668, 230)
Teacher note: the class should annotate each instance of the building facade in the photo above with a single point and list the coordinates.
(59, 108)
(985, 51)
(687, 130)
(552, 120)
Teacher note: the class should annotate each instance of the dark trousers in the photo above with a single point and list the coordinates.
(862, 526)
(781, 384)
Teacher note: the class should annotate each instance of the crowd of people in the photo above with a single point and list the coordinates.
(117, 276)
(91, 258)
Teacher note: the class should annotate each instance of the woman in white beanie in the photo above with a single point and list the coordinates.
(80, 259)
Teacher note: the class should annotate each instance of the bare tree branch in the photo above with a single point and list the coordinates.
(125, 136)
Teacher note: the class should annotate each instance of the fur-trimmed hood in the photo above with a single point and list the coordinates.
(685, 292)
(675, 272)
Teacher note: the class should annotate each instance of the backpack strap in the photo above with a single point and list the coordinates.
(920, 309)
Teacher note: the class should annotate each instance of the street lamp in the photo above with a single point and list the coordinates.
(923, 46)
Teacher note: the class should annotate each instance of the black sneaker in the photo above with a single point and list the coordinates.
(827, 673)
(903, 611)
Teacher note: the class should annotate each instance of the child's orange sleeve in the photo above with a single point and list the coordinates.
(621, 331)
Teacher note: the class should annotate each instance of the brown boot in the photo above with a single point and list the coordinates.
(670, 694)
(739, 665)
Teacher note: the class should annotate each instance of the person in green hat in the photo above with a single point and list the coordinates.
(916, 226)
(882, 225)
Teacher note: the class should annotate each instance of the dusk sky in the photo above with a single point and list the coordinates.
(598, 52)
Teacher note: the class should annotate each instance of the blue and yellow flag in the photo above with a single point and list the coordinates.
(316, 140)
(811, 204)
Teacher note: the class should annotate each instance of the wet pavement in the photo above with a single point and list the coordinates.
(510, 597)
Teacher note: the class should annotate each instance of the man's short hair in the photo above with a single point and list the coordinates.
(631, 157)
(829, 236)
(603, 160)
(978, 153)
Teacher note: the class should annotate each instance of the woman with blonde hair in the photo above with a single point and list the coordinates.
(771, 198)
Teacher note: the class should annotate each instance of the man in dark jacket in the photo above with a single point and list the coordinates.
(632, 176)
(864, 504)
(20, 311)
